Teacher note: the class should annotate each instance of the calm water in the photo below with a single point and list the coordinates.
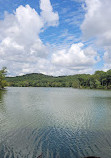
(57, 122)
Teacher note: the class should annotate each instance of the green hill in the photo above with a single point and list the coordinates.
(100, 80)
(40, 80)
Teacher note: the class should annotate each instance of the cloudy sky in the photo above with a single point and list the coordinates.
(55, 37)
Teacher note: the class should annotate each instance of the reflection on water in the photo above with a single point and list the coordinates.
(2, 104)
(56, 142)
(57, 122)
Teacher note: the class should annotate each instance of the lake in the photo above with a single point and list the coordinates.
(55, 122)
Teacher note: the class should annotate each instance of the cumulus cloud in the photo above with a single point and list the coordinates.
(21, 48)
(24, 23)
(76, 57)
(97, 24)
(97, 19)
(49, 17)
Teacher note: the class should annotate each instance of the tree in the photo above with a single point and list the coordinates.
(75, 84)
(2, 77)
(108, 79)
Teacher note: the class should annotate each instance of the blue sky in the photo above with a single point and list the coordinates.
(55, 37)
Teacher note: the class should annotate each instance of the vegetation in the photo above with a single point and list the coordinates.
(99, 80)
(2, 78)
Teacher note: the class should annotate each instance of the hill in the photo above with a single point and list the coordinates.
(100, 80)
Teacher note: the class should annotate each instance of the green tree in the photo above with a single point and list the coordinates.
(2, 77)
(76, 84)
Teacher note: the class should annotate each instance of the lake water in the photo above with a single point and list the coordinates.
(55, 122)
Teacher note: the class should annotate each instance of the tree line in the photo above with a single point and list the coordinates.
(99, 80)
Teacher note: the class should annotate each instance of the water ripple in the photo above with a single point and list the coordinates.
(56, 123)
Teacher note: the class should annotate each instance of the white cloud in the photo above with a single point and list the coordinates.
(25, 22)
(21, 48)
(107, 58)
(97, 24)
(49, 17)
(97, 18)
(76, 57)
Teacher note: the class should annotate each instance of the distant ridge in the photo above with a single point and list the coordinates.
(99, 80)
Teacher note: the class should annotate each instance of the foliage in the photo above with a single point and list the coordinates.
(99, 80)
(2, 77)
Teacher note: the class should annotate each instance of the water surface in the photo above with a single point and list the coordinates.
(57, 122)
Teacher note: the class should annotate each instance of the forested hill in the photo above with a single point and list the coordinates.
(41, 80)
(99, 80)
